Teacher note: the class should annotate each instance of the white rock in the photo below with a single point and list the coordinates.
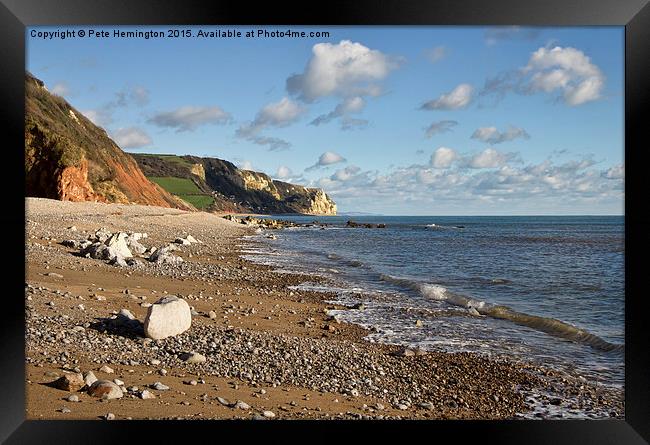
(118, 243)
(268, 414)
(89, 378)
(182, 241)
(167, 317)
(106, 369)
(146, 395)
(191, 239)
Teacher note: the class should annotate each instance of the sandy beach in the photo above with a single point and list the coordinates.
(271, 352)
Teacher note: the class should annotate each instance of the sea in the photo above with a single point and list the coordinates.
(543, 289)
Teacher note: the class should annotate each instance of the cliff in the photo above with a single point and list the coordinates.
(69, 158)
(231, 188)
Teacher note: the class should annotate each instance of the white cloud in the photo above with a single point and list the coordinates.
(615, 172)
(276, 114)
(188, 118)
(443, 157)
(568, 70)
(569, 186)
(436, 54)
(458, 98)
(326, 159)
(343, 69)
(439, 127)
(349, 106)
(131, 137)
(61, 89)
(493, 136)
(488, 158)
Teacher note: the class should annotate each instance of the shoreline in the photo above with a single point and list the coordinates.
(271, 347)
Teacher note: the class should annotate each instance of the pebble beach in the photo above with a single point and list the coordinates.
(256, 349)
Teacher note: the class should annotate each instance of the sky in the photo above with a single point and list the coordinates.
(443, 120)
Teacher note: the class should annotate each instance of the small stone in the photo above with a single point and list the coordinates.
(192, 357)
(160, 387)
(155, 362)
(118, 382)
(162, 372)
(109, 416)
(268, 414)
(106, 369)
(54, 275)
(223, 401)
(72, 398)
(70, 382)
(241, 405)
(65, 410)
(418, 323)
(144, 394)
(212, 314)
(426, 405)
(89, 378)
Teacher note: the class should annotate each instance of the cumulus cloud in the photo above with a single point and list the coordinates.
(458, 98)
(439, 127)
(342, 69)
(326, 159)
(131, 137)
(568, 70)
(565, 71)
(346, 174)
(349, 106)
(567, 185)
(493, 136)
(443, 157)
(436, 54)
(276, 114)
(488, 158)
(189, 118)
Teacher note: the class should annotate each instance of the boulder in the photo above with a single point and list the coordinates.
(117, 242)
(105, 389)
(167, 317)
(71, 381)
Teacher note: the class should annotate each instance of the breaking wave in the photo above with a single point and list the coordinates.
(547, 325)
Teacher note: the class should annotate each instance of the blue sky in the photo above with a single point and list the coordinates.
(394, 120)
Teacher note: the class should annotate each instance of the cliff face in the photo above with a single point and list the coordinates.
(69, 158)
(238, 190)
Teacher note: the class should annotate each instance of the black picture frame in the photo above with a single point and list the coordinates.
(634, 15)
